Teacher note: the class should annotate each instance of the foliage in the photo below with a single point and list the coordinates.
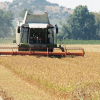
(6, 18)
(97, 22)
(6, 40)
(79, 25)
(22, 14)
(70, 41)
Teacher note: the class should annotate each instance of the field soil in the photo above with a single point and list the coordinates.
(52, 78)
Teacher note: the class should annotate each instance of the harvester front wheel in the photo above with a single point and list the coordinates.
(20, 49)
(50, 50)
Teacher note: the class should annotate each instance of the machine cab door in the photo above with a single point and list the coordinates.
(25, 34)
(50, 35)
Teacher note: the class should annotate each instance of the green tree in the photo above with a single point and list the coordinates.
(22, 13)
(97, 22)
(6, 19)
(80, 25)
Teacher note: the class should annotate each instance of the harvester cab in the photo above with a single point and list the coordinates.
(35, 31)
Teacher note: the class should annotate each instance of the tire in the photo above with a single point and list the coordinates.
(50, 50)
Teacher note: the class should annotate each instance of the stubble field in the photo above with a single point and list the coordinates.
(67, 78)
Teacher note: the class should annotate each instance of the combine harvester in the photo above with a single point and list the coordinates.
(35, 36)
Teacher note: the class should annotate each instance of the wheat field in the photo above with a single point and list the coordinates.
(66, 78)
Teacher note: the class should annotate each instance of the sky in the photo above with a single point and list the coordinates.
(93, 5)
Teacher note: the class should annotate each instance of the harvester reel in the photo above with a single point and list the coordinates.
(40, 51)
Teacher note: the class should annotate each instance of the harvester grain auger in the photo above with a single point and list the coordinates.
(35, 36)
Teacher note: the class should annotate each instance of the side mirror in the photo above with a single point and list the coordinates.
(18, 31)
(56, 29)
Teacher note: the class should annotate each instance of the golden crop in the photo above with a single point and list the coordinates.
(79, 77)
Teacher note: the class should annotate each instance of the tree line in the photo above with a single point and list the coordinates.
(6, 22)
(81, 25)
(6, 26)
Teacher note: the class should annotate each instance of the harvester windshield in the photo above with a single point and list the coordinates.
(38, 36)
